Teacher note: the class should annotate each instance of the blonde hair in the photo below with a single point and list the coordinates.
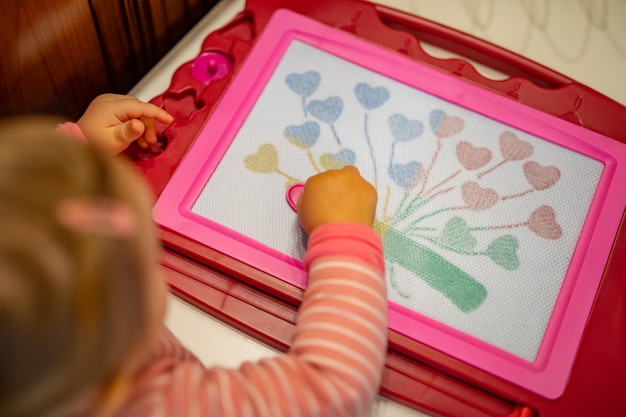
(72, 304)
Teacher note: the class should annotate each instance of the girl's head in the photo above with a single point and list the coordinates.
(80, 295)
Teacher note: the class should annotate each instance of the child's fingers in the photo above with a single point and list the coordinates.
(155, 112)
(150, 111)
(143, 144)
(351, 168)
(129, 131)
(132, 108)
(150, 130)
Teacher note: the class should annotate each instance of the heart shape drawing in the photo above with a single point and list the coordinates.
(337, 160)
(371, 97)
(405, 175)
(304, 84)
(543, 223)
(503, 251)
(457, 235)
(541, 177)
(514, 149)
(478, 198)
(443, 125)
(265, 160)
(328, 111)
(472, 157)
(404, 129)
(304, 135)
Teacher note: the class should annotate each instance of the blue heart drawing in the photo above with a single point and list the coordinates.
(304, 84)
(435, 119)
(328, 111)
(304, 135)
(338, 160)
(405, 175)
(404, 129)
(345, 155)
(443, 125)
(371, 97)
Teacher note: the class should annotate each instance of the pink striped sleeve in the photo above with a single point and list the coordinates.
(342, 323)
(348, 239)
(335, 363)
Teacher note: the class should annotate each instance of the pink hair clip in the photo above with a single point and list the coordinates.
(99, 215)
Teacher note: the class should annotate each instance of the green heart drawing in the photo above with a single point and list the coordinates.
(456, 234)
(503, 251)
(265, 160)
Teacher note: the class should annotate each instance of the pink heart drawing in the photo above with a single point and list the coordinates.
(543, 223)
(472, 157)
(513, 148)
(541, 177)
(450, 126)
(478, 198)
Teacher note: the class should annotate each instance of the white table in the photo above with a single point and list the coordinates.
(585, 41)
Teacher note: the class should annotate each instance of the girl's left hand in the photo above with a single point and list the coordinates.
(114, 121)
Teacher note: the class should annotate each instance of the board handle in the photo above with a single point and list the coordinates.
(470, 47)
(529, 82)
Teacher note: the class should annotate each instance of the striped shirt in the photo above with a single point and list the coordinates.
(335, 362)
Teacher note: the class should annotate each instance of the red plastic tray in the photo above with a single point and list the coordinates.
(265, 307)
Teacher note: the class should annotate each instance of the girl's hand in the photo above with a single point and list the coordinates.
(113, 121)
(339, 195)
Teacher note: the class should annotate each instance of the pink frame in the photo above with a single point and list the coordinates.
(549, 373)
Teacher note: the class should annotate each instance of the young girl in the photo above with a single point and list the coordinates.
(82, 302)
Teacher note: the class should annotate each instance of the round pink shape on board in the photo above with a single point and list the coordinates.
(209, 66)
(293, 195)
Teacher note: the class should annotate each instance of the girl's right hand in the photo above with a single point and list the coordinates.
(339, 195)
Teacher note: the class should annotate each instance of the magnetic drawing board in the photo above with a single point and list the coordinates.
(496, 219)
